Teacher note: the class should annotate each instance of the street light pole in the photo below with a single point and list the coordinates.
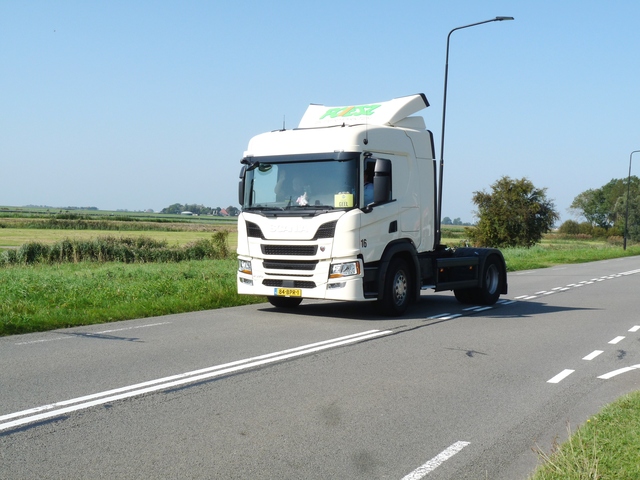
(444, 110)
(626, 215)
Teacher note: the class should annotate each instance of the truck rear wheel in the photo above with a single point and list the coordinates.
(284, 302)
(491, 282)
(489, 291)
(396, 289)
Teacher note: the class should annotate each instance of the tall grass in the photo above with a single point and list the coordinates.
(116, 223)
(116, 249)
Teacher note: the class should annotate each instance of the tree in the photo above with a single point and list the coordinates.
(446, 221)
(175, 208)
(634, 215)
(515, 213)
(233, 211)
(600, 206)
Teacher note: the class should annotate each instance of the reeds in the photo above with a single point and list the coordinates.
(117, 249)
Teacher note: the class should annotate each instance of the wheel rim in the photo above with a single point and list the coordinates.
(492, 279)
(400, 288)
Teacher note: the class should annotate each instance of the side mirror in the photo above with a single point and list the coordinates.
(241, 185)
(382, 181)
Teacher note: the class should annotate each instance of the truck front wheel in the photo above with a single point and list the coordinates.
(396, 289)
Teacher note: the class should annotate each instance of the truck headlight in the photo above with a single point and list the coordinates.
(344, 269)
(244, 266)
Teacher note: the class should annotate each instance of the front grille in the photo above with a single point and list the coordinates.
(300, 250)
(290, 264)
(296, 283)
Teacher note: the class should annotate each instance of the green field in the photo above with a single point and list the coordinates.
(14, 237)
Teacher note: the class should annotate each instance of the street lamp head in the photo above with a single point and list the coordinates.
(500, 19)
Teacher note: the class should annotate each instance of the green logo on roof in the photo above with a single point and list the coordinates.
(356, 111)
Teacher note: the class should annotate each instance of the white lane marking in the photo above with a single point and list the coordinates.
(91, 334)
(616, 340)
(634, 328)
(573, 285)
(609, 375)
(507, 302)
(593, 355)
(87, 401)
(561, 376)
(476, 308)
(435, 462)
(445, 316)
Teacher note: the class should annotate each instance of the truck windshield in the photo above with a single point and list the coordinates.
(325, 184)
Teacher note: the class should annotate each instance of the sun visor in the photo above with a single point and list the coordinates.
(383, 113)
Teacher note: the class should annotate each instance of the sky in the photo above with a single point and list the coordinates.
(139, 105)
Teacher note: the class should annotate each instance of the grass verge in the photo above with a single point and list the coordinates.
(44, 297)
(560, 253)
(606, 447)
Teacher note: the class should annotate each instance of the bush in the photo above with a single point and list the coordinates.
(514, 214)
(570, 227)
(600, 232)
(586, 228)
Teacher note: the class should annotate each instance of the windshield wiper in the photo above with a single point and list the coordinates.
(262, 207)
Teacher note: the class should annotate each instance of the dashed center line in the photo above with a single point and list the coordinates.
(561, 376)
(593, 355)
(616, 340)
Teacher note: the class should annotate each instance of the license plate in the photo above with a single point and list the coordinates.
(287, 292)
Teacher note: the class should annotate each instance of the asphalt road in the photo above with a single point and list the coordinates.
(330, 391)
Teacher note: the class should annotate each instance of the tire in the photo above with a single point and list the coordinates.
(491, 285)
(492, 274)
(464, 296)
(396, 293)
(284, 302)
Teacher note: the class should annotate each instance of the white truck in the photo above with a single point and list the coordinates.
(345, 207)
